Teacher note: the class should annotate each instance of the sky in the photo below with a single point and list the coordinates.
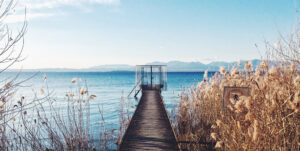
(86, 33)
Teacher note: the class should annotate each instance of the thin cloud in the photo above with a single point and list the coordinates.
(21, 18)
(45, 8)
(43, 4)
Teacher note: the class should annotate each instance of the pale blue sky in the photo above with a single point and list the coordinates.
(85, 33)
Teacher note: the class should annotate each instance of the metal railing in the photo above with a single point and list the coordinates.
(138, 83)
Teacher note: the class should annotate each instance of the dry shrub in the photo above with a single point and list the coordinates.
(287, 47)
(196, 113)
(54, 125)
(266, 120)
(11, 47)
(38, 123)
(124, 119)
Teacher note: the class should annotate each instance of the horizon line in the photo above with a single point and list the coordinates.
(162, 62)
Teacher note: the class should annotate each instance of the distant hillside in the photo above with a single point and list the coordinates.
(198, 66)
(114, 67)
(172, 66)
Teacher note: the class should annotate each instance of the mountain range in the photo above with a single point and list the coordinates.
(172, 66)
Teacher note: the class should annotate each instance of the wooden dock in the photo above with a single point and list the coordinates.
(149, 128)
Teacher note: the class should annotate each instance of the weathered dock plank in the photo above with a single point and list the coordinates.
(149, 128)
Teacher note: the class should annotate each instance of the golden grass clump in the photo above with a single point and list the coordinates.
(268, 119)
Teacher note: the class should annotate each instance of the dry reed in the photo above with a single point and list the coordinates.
(268, 119)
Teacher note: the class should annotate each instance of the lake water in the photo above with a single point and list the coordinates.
(109, 87)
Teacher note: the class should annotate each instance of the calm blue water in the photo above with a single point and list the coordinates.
(109, 87)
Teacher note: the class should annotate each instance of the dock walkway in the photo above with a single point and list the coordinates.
(149, 128)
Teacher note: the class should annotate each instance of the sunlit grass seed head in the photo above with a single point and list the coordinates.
(205, 76)
(272, 73)
(74, 80)
(239, 63)
(255, 131)
(246, 101)
(239, 125)
(219, 123)
(248, 66)
(22, 98)
(83, 91)
(297, 81)
(11, 94)
(295, 105)
(219, 144)
(42, 91)
(7, 85)
(232, 101)
(234, 71)
(250, 116)
(71, 95)
(222, 70)
(13, 119)
(91, 97)
(239, 106)
(213, 136)
(263, 65)
(257, 72)
(214, 126)
(230, 108)
(293, 66)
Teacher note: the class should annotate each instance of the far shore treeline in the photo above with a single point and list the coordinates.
(172, 66)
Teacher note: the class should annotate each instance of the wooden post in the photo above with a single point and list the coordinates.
(151, 76)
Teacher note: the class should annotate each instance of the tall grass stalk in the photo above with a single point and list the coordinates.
(268, 119)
